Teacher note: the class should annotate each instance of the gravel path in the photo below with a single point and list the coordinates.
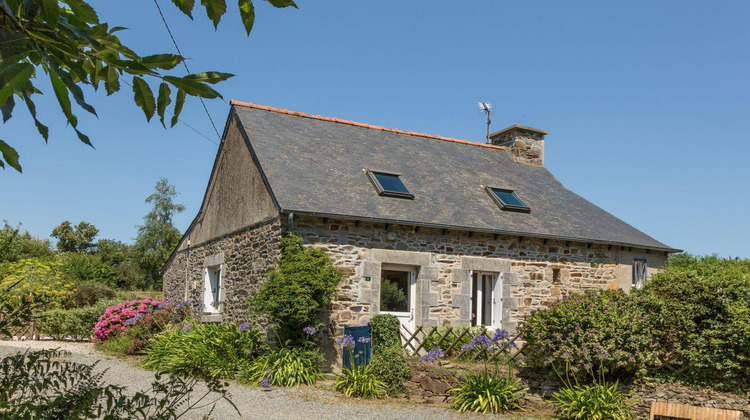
(281, 403)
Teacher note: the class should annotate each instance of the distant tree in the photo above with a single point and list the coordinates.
(158, 236)
(75, 239)
(16, 245)
(125, 259)
(66, 42)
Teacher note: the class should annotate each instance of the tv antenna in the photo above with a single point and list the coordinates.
(486, 107)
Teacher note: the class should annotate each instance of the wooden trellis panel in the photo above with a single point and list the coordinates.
(415, 343)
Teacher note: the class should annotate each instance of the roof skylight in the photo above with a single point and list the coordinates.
(389, 184)
(507, 200)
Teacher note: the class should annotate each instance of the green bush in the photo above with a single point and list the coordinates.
(384, 329)
(598, 331)
(285, 367)
(360, 381)
(298, 290)
(88, 268)
(75, 324)
(87, 294)
(486, 392)
(599, 401)
(205, 350)
(700, 307)
(392, 368)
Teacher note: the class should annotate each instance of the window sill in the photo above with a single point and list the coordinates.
(212, 317)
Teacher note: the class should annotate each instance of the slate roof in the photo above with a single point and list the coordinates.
(315, 165)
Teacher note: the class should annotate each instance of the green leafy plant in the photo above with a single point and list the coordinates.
(88, 294)
(392, 368)
(42, 385)
(486, 392)
(699, 308)
(298, 290)
(598, 401)
(285, 367)
(75, 324)
(598, 330)
(66, 41)
(205, 350)
(391, 296)
(360, 381)
(384, 329)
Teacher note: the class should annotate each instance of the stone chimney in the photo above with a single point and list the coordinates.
(525, 144)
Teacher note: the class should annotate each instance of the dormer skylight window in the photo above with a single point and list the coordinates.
(389, 184)
(507, 200)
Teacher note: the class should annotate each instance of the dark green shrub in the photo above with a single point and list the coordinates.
(298, 290)
(392, 368)
(700, 307)
(598, 331)
(285, 367)
(87, 294)
(74, 324)
(598, 401)
(205, 350)
(486, 392)
(384, 329)
(88, 268)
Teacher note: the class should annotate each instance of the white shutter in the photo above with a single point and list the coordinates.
(497, 301)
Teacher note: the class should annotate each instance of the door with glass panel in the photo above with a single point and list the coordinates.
(398, 286)
(486, 299)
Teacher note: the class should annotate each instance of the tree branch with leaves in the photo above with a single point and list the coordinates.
(66, 42)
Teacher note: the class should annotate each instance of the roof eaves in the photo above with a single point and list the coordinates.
(479, 230)
(363, 125)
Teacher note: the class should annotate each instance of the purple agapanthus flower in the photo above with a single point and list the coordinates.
(363, 339)
(500, 335)
(479, 341)
(265, 382)
(432, 356)
(187, 328)
(310, 330)
(244, 327)
(181, 305)
(346, 341)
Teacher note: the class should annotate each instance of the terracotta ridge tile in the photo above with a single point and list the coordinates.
(359, 124)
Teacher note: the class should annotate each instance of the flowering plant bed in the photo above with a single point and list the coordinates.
(139, 318)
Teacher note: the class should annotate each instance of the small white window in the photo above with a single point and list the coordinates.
(213, 293)
(640, 271)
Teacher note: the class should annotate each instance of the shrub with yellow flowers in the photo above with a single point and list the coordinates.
(42, 280)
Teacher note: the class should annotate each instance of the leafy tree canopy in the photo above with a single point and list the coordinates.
(75, 239)
(158, 236)
(66, 42)
(16, 245)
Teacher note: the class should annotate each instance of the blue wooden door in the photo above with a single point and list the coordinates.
(362, 350)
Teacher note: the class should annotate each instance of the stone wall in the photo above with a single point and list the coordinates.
(245, 257)
(544, 269)
(681, 394)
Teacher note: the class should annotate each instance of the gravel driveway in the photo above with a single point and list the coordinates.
(281, 403)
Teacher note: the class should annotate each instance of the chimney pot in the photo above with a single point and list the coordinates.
(525, 144)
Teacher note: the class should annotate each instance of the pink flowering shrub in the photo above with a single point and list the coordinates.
(149, 314)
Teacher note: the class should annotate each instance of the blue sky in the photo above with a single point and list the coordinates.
(646, 103)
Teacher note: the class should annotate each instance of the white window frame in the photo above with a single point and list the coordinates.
(208, 306)
(412, 291)
(496, 291)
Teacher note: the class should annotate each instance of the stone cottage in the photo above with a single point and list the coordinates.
(431, 229)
